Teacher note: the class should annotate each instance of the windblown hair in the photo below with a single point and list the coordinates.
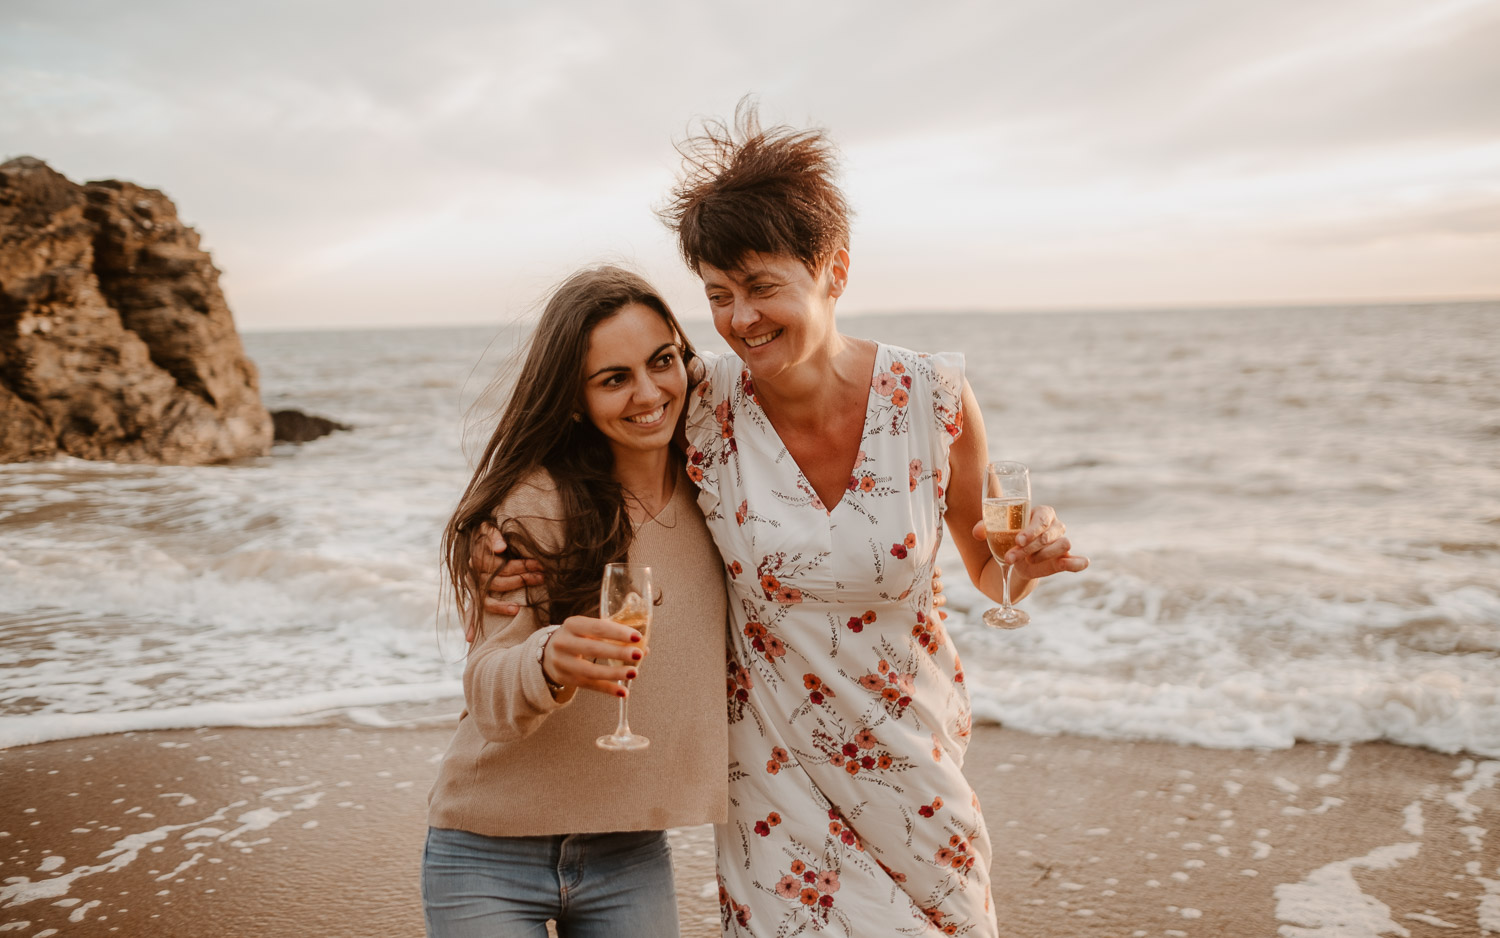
(537, 431)
(744, 189)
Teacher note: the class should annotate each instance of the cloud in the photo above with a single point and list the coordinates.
(478, 149)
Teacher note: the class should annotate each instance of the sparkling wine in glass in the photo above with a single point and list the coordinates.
(625, 597)
(1007, 505)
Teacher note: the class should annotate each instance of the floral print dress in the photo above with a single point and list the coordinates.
(849, 814)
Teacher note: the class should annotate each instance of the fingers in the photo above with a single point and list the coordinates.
(507, 578)
(1050, 543)
(601, 629)
(580, 647)
(1064, 564)
(484, 554)
(491, 538)
(1040, 539)
(494, 607)
(488, 555)
(602, 679)
(503, 583)
(595, 654)
(1043, 548)
(1043, 517)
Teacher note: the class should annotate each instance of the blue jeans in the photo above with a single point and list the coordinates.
(593, 885)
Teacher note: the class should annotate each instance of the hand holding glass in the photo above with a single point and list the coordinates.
(1007, 505)
(625, 598)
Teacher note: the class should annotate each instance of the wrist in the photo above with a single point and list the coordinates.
(997, 576)
(541, 659)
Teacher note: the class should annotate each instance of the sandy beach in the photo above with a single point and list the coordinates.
(318, 832)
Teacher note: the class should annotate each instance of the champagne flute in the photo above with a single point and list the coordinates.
(625, 597)
(1007, 505)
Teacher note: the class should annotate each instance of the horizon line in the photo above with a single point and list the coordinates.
(1211, 307)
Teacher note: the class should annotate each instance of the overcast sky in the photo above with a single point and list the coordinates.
(372, 163)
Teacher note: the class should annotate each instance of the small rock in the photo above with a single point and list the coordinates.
(293, 426)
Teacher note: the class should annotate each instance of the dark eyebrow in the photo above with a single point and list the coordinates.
(744, 276)
(610, 368)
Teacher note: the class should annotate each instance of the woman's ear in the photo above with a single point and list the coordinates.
(838, 272)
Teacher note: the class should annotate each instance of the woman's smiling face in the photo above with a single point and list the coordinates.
(772, 310)
(634, 381)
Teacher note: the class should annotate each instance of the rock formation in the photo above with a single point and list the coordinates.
(115, 341)
(293, 426)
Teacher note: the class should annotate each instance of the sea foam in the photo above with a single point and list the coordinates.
(1293, 519)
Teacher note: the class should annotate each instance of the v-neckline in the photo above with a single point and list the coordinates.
(864, 431)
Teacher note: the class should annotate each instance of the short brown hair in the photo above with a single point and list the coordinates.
(744, 189)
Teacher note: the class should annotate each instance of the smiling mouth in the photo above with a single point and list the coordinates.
(650, 416)
(759, 340)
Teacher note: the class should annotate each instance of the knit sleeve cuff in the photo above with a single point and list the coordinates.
(534, 681)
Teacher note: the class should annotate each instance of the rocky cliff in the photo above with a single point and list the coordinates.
(115, 341)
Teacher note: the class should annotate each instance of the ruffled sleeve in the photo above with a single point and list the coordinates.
(710, 426)
(946, 388)
(937, 395)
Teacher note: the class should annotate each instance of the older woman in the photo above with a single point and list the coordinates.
(826, 465)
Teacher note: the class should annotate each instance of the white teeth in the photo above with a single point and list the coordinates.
(652, 417)
(760, 340)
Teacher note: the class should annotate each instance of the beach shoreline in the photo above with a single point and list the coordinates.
(314, 831)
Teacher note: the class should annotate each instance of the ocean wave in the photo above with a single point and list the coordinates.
(1261, 572)
(1121, 658)
(1434, 709)
(299, 710)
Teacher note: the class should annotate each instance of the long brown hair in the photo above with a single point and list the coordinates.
(538, 431)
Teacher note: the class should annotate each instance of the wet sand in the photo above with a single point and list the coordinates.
(313, 832)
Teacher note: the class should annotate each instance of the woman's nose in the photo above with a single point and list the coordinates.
(745, 314)
(643, 389)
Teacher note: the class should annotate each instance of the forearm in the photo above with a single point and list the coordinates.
(505, 689)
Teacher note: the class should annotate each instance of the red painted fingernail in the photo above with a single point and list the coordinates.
(620, 693)
(630, 675)
(635, 656)
(635, 637)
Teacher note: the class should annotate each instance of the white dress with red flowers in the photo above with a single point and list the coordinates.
(848, 717)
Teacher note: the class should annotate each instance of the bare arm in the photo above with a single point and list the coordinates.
(1042, 549)
(966, 460)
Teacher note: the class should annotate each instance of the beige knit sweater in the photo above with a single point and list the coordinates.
(522, 763)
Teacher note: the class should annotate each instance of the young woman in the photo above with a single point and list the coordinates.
(528, 819)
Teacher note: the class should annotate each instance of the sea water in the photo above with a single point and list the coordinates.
(1292, 518)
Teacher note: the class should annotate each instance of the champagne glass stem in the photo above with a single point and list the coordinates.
(1004, 590)
(622, 728)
